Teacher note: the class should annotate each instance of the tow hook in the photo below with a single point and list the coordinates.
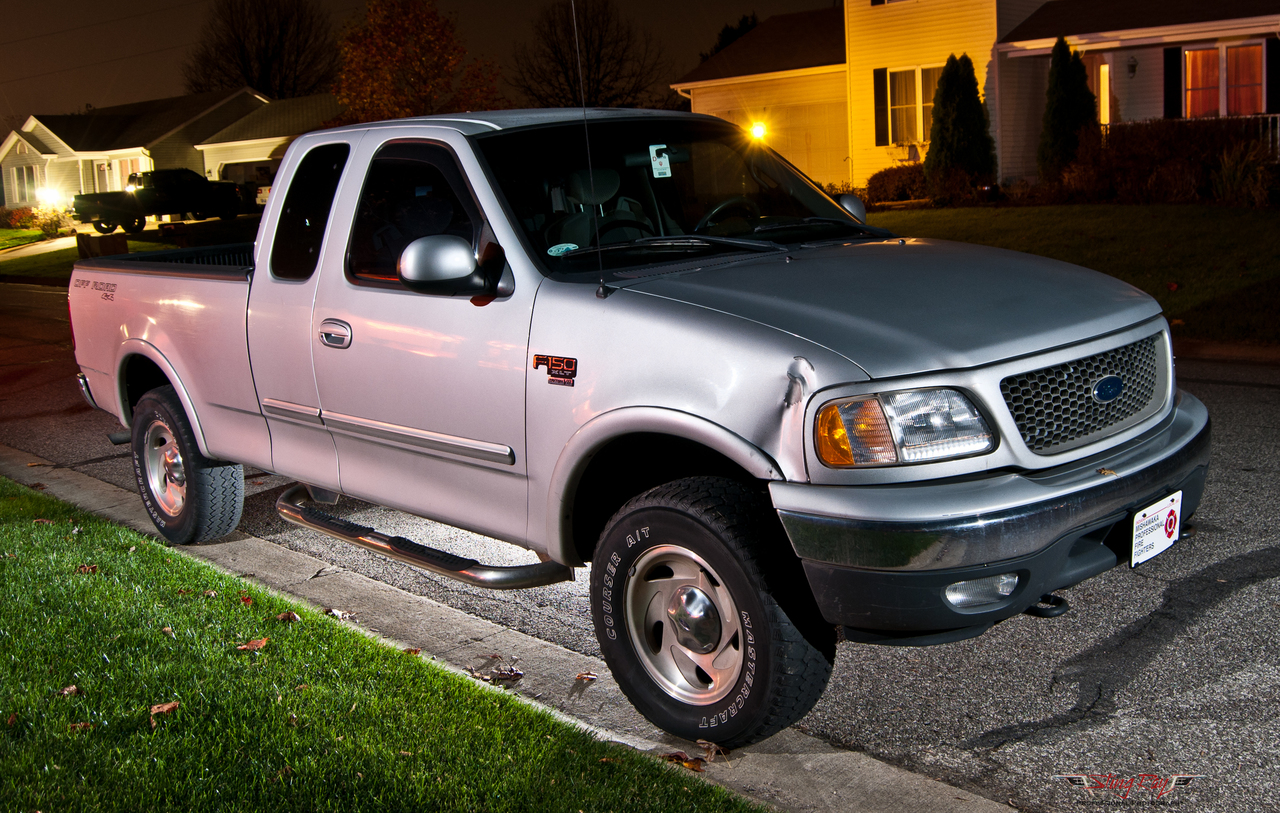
(1049, 606)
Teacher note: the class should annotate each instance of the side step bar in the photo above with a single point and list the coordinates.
(405, 550)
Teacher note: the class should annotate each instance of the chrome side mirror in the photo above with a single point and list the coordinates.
(854, 206)
(442, 265)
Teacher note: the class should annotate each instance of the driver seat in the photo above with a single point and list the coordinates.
(577, 229)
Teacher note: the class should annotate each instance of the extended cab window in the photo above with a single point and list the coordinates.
(413, 190)
(296, 249)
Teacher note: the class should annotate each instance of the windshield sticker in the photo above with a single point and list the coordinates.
(661, 160)
(562, 248)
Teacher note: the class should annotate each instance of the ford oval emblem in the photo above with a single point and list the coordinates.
(1106, 390)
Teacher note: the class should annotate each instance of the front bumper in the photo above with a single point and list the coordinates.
(879, 558)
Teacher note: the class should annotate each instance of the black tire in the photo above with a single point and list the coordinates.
(102, 227)
(676, 548)
(190, 498)
(135, 226)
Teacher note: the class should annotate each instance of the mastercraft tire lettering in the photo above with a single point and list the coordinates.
(686, 619)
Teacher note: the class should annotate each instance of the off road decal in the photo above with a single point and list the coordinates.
(560, 370)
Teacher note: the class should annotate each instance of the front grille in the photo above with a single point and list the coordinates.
(1054, 406)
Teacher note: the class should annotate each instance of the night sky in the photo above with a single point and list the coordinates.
(108, 53)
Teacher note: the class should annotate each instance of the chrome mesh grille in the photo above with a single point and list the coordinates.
(1055, 405)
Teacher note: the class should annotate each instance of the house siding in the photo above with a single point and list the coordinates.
(1023, 82)
(903, 35)
(806, 118)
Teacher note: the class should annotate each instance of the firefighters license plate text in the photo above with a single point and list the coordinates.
(1155, 528)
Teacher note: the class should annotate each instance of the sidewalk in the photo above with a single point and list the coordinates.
(790, 771)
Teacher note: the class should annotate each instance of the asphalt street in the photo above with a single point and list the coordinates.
(1169, 669)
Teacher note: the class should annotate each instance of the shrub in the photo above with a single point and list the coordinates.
(961, 150)
(1069, 107)
(21, 218)
(1242, 175)
(905, 182)
(51, 221)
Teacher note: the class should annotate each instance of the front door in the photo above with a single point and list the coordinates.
(424, 394)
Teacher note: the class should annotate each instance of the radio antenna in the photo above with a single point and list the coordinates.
(602, 291)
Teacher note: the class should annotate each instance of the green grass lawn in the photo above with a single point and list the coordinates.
(1215, 270)
(19, 237)
(318, 718)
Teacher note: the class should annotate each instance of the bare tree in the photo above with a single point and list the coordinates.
(282, 48)
(620, 66)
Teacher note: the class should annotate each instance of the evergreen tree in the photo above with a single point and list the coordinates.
(960, 138)
(1069, 107)
(731, 34)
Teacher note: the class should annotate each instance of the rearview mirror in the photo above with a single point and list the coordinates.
(854, 206)
(442, 265)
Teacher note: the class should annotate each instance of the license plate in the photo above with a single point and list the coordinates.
(1155, 528)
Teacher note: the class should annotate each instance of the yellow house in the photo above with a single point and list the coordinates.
(1146, 59)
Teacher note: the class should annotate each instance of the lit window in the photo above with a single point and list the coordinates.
(1202, 83)
(902, 106)
(1244, 80)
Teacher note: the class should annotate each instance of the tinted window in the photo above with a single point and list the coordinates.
(412, 190)
(296, 249)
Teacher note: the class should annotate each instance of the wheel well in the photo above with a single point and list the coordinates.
(140, 376)
(631, 465)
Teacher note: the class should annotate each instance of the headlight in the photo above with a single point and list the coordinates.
(914, 426)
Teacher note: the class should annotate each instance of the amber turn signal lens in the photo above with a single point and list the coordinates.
(854, 433)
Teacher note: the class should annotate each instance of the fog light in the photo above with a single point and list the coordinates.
(976, 592)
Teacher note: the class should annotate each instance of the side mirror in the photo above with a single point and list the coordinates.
(442, 265)
(854, 206)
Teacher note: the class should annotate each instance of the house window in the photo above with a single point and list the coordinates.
(906, 115)
(1224, 80)
(24, 184)
(1202, 83)
(1244, 80)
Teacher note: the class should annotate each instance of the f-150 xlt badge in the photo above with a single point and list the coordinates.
(560, 370)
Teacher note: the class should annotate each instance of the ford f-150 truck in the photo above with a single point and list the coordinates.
(643, 341)
(160, 192)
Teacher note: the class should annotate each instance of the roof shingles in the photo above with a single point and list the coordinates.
(785, 42)
(1066, 18)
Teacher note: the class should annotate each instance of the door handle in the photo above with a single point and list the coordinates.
(335, 333)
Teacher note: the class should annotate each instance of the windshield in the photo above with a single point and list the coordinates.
(658, 190)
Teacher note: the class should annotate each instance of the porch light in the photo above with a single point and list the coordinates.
(48, 197)
(1133, 66)
(758, 130)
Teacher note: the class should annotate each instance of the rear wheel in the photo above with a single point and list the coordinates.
(135, 226)
(686, 586)
(103, 227)
(190, 498)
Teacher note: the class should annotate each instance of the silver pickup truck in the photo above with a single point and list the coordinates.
(643, 341)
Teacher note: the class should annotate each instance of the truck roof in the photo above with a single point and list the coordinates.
(488, 121)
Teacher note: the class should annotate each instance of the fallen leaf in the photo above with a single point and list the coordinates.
(13, 718)
(30, 465)
(1108, 471)
(1177, 322)
(359, 775)
(412, 650)
(43, 521)
(132, 548)
(681, 758)
(711, 749)
(1172, 286)
(256, 643)
(341, 615)
(289, 617)
(406, 753)
(587, 676)
(255, 482)
(246, 601)
(87, 569)
(80, 726)
(184, 592)
(165, 708)
(210, 593)
(293, 720)
(608, 759)
(300, 687)
(168, 631)
(75, 530)
(71, 690)
(40, 487)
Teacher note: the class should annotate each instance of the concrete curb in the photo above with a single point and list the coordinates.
(791, 771)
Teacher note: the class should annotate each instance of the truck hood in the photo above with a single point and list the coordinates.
(899, 308)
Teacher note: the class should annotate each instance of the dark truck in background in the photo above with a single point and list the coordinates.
(159, 192)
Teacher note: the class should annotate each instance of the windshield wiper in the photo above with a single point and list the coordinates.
(824, 221)
(684, 241)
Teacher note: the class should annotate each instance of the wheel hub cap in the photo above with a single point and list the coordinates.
(165, 469)
(696, 621)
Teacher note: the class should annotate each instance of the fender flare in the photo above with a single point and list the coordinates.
(139, 347)
(600, 430)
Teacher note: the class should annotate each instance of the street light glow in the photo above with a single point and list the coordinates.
(758, 130)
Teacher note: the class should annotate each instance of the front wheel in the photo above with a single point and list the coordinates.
(135, 226)
(103, 227)
(690, 624)
(190, 498)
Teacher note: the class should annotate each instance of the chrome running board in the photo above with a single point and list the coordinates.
(406, 550)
